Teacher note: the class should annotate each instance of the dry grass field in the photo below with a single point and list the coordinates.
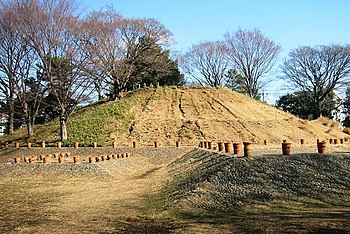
(168, 190)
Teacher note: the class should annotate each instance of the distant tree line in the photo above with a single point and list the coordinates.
(244, 57)
(52, 60)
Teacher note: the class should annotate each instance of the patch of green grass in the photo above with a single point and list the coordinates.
(98, 123)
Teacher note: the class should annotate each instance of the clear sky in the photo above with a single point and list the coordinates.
(290, 23)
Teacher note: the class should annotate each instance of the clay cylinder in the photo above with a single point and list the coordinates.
(91, 159)
(330, 141)
(210, 145)
(265, 142)
(94, 145)
(46, 160)
(97, 158)
(17, 159)
(201, 144)
(43, 144)
(26, 159)
(76, 159)
(205, 144)
(178, 143)
(321, 147)
(29, 145)
(228, 147)
(341, 141)
(126, 155)
(156, 144)
(59, 145)
(286, 148)
(134, 144)
(335, 141)
(247, 149)
(61, 159)
(237, 148)
(114, 144)
(76, 144)
(102, 157)
(108, 157)
(17, 144)
(221, 146)
(302, 141)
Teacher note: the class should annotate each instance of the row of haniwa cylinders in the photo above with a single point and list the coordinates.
(135, 144)
(321, 147)
(46, 159)
(228, 147)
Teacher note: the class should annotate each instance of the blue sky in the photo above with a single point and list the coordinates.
(290, 23)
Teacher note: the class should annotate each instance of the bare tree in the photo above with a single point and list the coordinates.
(117, 43)
(253, 56)
(206, 63)
(55, 33)
(318, 70)
(12, 51)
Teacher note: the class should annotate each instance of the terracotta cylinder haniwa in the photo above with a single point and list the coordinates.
(59, 145)
(330, 141)
(29, 145)
(17, 159)
(247, 149)
(76, 159)
(94, 145)
(43, 145)
(102, 157)
(76, 144)
(91, 159)
(228, 147)
(46, 160)
(17, 144)
(286, 148)
(114, 144)
(341, 141)
(321, 147)
(126, 155)
(178, 143)
(97, 158)
(205, 144)
(265, 142)
(335, 141)
(237, 148)
(302, 141)
(134, 144)
(201, 144)
(221, 146)
(26, 159)
(210, 145)
(60, 159)
(156, 144)
(108, 157)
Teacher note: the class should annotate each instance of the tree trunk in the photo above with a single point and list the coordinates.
(11, 117)
(63, 128)
(29, 128)
(30, 123)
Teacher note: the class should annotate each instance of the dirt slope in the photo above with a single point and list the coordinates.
(193, 114)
